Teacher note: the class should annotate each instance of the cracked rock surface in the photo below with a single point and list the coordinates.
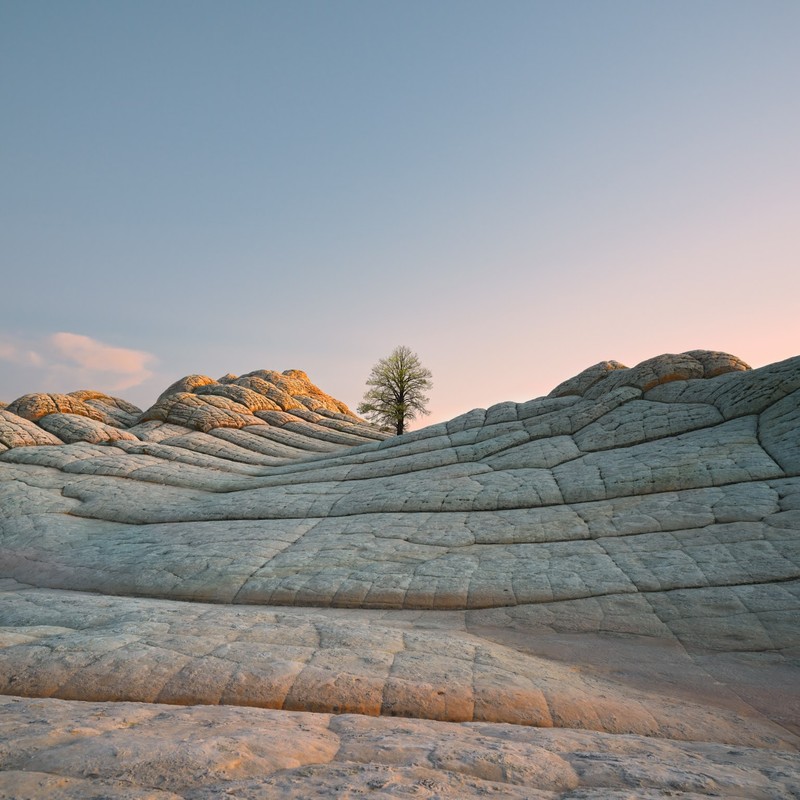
(248, 591)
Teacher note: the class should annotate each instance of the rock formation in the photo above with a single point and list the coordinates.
(247, 590)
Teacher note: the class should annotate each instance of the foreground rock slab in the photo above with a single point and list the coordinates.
(451, 667)
(64, 749)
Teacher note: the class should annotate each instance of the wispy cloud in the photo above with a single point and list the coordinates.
(16, 354)
(123, 367)
(67, 361)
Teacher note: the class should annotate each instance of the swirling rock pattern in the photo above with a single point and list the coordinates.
(585, 595)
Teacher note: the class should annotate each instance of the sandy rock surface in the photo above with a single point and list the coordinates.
(592, 594)
(133, 750)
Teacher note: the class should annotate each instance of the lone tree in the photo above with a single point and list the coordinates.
(397, 390)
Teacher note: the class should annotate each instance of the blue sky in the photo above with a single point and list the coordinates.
(515, 190)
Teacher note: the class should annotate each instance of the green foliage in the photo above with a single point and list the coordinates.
(397, 387)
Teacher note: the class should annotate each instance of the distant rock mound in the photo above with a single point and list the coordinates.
(606, 376)
(94, 405)
(583, 595)
(292, 414)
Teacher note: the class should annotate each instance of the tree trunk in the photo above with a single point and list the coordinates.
(401, 405)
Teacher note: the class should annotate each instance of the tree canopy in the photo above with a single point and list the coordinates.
(397, 390)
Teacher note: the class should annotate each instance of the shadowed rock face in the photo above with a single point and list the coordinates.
(587, 593)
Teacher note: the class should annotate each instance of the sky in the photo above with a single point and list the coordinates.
(514, 189)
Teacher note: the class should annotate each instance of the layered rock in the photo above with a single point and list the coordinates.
(618, 563)
(282, 416)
